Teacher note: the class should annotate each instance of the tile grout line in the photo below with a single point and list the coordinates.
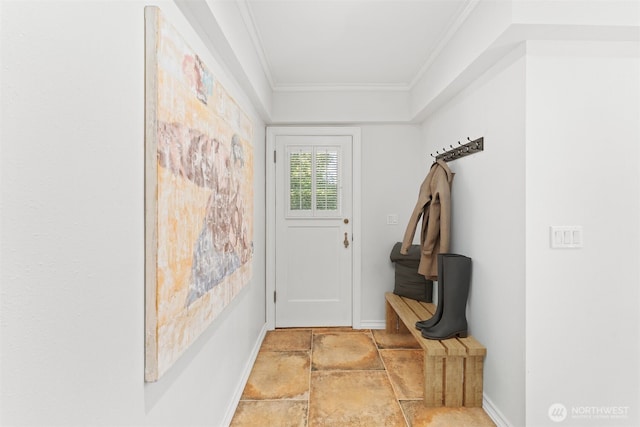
(395, 392)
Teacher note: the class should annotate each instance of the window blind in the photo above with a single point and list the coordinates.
(313, 175)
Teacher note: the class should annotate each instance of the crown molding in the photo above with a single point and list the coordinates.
(461, 15)
(254, 34)
(373, 87)
(456, 22)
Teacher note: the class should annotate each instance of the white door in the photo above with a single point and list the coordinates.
(313, 236)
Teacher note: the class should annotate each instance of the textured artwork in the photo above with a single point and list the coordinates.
(198, 196)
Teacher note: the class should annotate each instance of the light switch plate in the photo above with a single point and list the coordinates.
(566, 236)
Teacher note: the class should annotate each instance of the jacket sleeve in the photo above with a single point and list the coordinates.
(411, 228)
(439, 223)
(423, 200)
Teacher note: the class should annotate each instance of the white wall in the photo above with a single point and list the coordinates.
(583, 137)
(394, 163)
(335, 106)
(488, 209)
(561, 128)
(72, 243)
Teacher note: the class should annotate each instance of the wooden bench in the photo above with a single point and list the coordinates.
(452, 367)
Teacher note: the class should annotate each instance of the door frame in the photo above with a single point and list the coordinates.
(356, 167)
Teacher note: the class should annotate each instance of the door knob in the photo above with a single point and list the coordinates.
(346, 240)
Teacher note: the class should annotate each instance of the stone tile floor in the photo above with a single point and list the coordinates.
(342, 377)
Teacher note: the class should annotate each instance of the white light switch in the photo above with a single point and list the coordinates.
(392, 219)
(566, 236)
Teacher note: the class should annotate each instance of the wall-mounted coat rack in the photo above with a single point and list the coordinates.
(461, 150)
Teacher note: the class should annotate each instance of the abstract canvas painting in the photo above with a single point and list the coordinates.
(198, 196)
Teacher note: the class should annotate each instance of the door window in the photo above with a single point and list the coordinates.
(313, 181)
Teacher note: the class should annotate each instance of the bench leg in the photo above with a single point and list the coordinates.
(454, 379)
(433, 381)
(473, 371)
(392, 319)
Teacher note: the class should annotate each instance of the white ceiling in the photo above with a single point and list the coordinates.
(368, 44)
(381, 61)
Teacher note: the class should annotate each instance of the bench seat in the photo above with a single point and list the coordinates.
(453, 368)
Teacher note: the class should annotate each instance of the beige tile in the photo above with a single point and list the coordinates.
(419, 415)
(350, 351)
(387, 340)
(353, 398)
(278, 375)
(348, 385)
(287, 340)
(281, 413)
(406, 372)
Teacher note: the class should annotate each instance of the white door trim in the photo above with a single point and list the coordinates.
(270, 286)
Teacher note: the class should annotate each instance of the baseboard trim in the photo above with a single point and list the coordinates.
(231, 410)
(373, 324)
(493, 412)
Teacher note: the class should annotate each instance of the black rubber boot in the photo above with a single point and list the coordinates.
(430, 322)
(453, 321)
(427, 323)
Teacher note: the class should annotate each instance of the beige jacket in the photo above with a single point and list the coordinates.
(434, 205)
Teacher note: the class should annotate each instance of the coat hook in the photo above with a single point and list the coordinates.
(469, 139)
